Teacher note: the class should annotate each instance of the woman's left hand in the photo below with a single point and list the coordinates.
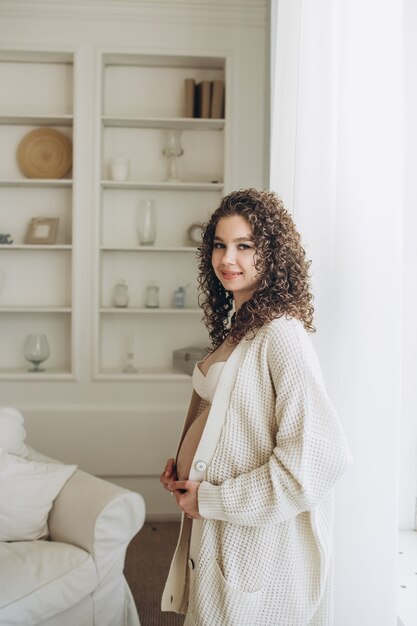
(186, 495)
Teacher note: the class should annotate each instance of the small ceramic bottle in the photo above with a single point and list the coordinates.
(152, 296)
(121, 294)
(179, 298)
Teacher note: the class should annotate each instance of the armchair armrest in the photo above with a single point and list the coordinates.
(98, 516)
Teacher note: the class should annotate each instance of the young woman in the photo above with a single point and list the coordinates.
(262, 446)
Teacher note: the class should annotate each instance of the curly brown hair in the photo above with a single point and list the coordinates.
(283, 285)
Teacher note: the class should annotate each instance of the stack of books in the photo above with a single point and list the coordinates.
(204, 99)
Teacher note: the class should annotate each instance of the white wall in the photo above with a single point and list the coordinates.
(408, 457)
(346, 190)
(107, 428)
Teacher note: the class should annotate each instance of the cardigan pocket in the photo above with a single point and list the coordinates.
(236, 607)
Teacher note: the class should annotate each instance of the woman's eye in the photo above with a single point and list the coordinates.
(241, 246)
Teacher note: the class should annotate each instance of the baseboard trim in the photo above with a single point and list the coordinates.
(163, 517)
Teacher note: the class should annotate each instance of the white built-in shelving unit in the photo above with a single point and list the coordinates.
(140, 98)
(36, 281)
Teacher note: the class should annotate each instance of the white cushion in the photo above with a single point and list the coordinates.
(12, 432)
(28, 489)
(39, 579)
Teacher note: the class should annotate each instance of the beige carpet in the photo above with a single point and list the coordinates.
(147, 563)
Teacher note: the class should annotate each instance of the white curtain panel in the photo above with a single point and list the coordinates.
(337, 161)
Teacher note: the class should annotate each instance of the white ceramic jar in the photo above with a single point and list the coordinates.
(121, 294)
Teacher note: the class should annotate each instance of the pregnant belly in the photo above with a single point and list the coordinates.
(190, 444)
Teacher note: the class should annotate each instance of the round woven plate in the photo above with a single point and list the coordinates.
(44, 153)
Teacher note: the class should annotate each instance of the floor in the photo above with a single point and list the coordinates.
(147, 563)
(407, 578)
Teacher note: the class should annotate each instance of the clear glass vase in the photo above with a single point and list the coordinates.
(146, 222)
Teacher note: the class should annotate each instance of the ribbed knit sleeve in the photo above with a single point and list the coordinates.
(310, 452)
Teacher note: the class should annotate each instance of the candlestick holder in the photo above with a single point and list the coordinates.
(129, 367)
(172, 150)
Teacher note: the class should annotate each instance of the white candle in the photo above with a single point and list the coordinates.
(119, 168)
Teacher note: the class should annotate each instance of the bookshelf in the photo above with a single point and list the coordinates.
(35, 280)
(144, 97)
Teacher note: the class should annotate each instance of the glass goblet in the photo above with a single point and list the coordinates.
(36, 350)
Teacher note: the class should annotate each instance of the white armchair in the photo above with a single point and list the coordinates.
(76, 577)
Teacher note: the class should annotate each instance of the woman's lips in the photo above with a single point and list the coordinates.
(230, 275)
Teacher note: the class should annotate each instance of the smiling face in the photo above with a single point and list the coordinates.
(233, 257)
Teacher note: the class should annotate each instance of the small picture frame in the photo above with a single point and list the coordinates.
(42, 230)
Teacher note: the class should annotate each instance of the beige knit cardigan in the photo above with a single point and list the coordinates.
(271, 451)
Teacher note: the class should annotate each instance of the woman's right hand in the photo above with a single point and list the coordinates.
(168, 475)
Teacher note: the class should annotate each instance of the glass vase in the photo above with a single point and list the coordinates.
(146, 222)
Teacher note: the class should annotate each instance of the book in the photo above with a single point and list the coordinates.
(189, 89)
(217, 99)
(202, 100)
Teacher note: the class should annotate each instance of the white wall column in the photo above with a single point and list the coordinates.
(408, 461)
(347, 203)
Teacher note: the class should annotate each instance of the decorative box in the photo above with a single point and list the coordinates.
(185, 359)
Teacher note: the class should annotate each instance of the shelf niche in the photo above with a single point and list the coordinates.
(142, 97)
(36, 281)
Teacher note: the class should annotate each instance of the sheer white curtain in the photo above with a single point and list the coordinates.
(408, 459)
(337, 160)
